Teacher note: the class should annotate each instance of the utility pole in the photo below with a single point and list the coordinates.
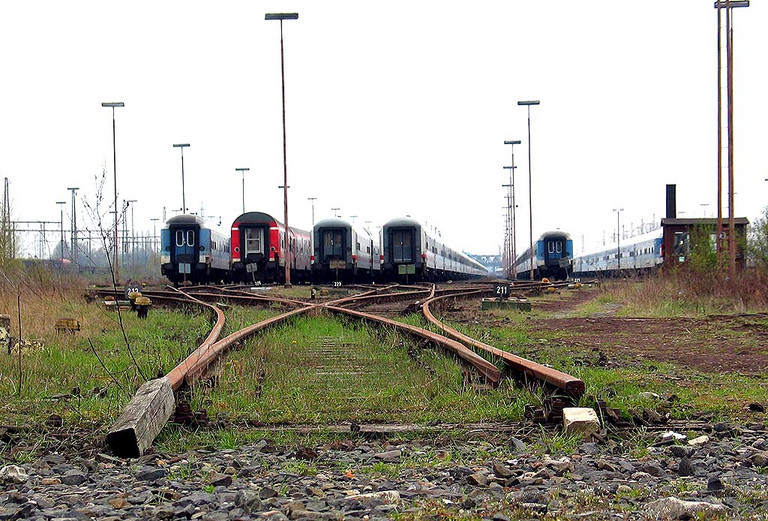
(728, 5)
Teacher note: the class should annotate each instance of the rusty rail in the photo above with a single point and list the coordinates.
(568, 383)
(198, 367)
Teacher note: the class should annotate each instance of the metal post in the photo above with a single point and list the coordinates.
(154, 233)
(181, 146)
(729, 5)
(73, 236)
(114, 105)
(618, 237)
(243, 171)
(530, 190)
(513, 233)
(61, 226)
(281, 17)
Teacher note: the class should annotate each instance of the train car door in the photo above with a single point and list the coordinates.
(333, 248)
(554, 250)
(402, 246)
(185, 251)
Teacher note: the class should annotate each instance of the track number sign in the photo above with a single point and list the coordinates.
(501, 290)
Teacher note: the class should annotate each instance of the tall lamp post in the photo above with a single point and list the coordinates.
(243, 171)
(281, 17)
(113, 106)
(618, 236)
(181, 147)
(530, 191)
(334, 211)
(61, 225)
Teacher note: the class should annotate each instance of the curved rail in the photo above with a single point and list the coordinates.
(199, 366)
(568, 383)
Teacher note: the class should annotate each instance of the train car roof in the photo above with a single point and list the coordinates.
(255, 218)
(186, 219)
(262, 218)
(333, 222)
(559, 233)
(402, 222)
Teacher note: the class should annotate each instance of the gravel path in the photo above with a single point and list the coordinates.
(724, 473)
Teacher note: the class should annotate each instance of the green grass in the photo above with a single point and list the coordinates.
(321, 370)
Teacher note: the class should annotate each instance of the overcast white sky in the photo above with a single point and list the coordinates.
(393, 108)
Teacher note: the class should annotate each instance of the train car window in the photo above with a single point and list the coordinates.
(190, 237)
(559, 247)
(551, 247)
(179, 238)
(254, 240)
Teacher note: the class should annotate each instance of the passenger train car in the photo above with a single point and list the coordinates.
(344, 253)
(258, 245)
(407, 249)
(552, 257)
(192, 251)
(642, 253)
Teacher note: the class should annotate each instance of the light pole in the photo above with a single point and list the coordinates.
(530, 191)
(113, 106)
(513, 232)
(281, 17)
(334, 211)
(61, 225)
(243, 171)
(73, 237)
(312, 200)
(181, 146)
(704, 205)
(618, 236)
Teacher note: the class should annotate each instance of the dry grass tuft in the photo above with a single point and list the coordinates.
(686, 291)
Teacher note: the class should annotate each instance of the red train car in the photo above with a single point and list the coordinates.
(258, 246)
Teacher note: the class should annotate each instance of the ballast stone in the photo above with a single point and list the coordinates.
(580, 420)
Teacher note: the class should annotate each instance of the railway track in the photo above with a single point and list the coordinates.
(154, 402)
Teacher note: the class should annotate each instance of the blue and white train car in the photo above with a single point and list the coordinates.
(640, 254)
(192, 251)
(552, 257)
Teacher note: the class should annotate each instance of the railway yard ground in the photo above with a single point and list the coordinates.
(328, 417)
